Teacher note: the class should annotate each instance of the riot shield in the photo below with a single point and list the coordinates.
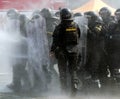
(38, 52)
(82, 23)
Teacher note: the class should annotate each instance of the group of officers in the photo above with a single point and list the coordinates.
(101, 50)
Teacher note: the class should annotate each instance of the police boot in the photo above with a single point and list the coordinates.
(96, 84)
(76, 84)
(15, 88)
(104, 81)
(63, 85)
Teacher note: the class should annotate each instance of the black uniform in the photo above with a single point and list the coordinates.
(105, 13)
(113, 49)
(95, 46)
(65, 41)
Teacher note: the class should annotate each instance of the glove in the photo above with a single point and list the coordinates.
(98, 28)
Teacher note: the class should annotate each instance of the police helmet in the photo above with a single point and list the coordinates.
(46, 12)
(117, 14)
(65, 14)
(105, 11)
(117, 11)
(93, 17)
(37, 11)
(36, 16)
(12, 13)
(77, 14)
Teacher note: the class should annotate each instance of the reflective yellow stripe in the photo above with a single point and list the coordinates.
(99, 28)
(50, 33)
(71, 29)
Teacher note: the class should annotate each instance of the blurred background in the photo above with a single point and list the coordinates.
(53, 4)
(76, 3)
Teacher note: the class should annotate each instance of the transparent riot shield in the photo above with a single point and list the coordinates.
(38, 52)
(83, 23)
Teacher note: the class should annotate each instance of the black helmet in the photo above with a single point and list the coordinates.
(117, 11)
(91, 13)
(93, 17)
(65, 14)
(117, 14)
(77, 14)
(105, 10)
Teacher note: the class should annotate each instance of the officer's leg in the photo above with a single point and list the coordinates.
(16, 77)
(104, 80)
(115, 68)
(73, 58)
(103, 72)
(94, 63)
(53, 61)
(24, 76)
(62, 65)
(47, 74)
(53, 72)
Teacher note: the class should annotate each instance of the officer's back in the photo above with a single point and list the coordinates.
(65, 46)
(67, 32)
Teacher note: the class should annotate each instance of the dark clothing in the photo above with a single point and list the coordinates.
(104, 63)
(113, 48)
(63, 58)
(95, 49)
(65, 41)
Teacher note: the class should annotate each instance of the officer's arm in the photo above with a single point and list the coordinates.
(79, 32)
(55, 40)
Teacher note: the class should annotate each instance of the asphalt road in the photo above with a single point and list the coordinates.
(6, 93)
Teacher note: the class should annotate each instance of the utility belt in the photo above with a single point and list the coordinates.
(72, 48)
(67, 49)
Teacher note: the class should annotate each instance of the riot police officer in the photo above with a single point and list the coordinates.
(65, 48)
(113, 49)
(51, 22)
(13, 21)
(20, 61)
(105, 13)
(13, 28)
(95, 46)
(108, 22)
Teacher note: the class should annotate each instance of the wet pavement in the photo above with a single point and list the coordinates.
(6, 93)
(93, 96)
